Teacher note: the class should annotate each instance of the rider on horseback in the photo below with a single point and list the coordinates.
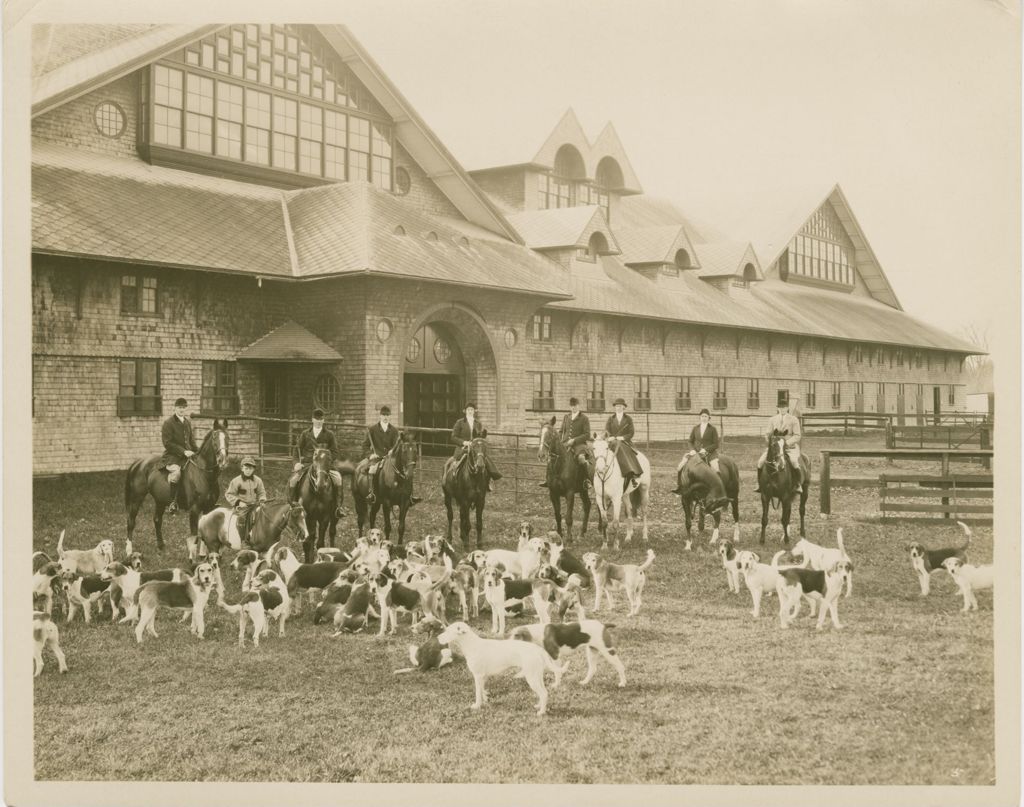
(703, 442)
(620, 434)
(575, 434)
(179, 445)
(466, 429)
(783, 422)
(381, 437)
(311, 439)
(245, 494)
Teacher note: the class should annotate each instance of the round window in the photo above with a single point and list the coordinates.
(109, 119)
(384, 330)
(510, 338)
(442, 351)
(413, 351)
(402, 181)
(327, 393)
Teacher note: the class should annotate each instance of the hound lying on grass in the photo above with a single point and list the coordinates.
(430, 655)
(487, 657)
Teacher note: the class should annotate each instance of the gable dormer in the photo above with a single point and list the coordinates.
(658, 251)
(726, 264)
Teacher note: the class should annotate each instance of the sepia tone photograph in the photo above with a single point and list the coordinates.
(515, 393)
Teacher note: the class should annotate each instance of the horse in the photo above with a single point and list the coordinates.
(219, 527)
(394, 487)
(565, 478)
(609, 486)
(699, 485)
(198, 489)
(468, 486)
(320, 499)
(778, 483)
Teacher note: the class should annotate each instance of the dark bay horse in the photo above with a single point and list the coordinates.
(320, 499)
(565, 478)
(710, 492)
(272, 519)
(778, 483)
(198, 489)
(394, 487)
(468, 486)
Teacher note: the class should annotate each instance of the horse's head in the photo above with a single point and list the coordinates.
(407, 454)
(478, 454)
(297, 520)
(217, 440)
(777, 449)
(321, 466)
(544, 441)
(600, 448)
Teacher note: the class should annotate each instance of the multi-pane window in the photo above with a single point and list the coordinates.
(292, 118)
(540, 327)
(836, 396)
(139, 387)
(899, 356)
(543, 391)
(721, 399)
(781, 397)
(822, 250)
(753, 393)
(811, 394)
(138, 294)
(880, 356)
(554, 191)
(683, 401)
(857, 354)
(952, 395)
(858, 388)
(220, 388)
(595, 393)
(642, 392)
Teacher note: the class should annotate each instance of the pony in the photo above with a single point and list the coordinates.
(394, 487)
(699, 485)
(609, 486)
(320, 499)
(777, 482)
(565, 478)
(198, 489)
(467, 485)
(218, 529)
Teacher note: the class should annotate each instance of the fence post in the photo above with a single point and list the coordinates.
(824, 482)
(890, 439)
(986, 443)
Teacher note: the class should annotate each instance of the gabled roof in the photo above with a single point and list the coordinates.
(651, 211)
(289, 342)
(773, 306)
(92, 205)
(657, 244)
(773, 228)
(562, 227)
(727, 258)
(123, 52)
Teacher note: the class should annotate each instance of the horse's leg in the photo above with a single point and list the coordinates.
(700, 516)
(403, 508)
(717, 519)
(464, 523)
(803, 506)
(158, 520)
(133, 512)
(627, 503)
(787, 508)
(556, 504)
(585, 500)
(764, 515)
(570, 503)
(386, 512)
(644, 501)
(451, 516)
(480, 521)
(687, 520)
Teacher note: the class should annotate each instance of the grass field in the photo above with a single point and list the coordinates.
(713, 696)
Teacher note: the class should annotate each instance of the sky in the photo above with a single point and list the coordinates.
(736, 110)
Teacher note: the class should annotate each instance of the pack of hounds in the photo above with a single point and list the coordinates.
(823, 573)
(374, 580)
(377, 580)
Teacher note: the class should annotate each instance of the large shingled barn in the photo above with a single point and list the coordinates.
(253, 217)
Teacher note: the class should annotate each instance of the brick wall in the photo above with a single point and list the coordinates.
(73, 123)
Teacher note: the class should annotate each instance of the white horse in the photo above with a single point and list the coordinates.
(217, 528)
(608, 487)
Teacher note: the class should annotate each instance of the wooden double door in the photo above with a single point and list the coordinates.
(433, 401)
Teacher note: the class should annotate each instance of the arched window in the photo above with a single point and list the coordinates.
(598, 245)
(609, 174)
(682, 259)
(569, 163)
(749, 273)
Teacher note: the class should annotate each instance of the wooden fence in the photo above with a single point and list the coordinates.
(959, 495)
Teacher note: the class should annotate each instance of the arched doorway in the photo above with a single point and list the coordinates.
(449, 360)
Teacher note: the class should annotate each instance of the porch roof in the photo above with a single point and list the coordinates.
(289, 343)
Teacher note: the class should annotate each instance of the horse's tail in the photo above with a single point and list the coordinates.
(132, 470)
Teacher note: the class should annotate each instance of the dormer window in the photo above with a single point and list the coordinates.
(749, 275)
(265, 97)
(567, 184)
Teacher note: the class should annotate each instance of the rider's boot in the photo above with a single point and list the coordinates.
(172, 508)
(371, 497)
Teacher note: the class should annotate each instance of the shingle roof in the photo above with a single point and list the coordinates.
(55, 45)
(652, 211)
(289, 342)
(558, 227)
(112, 207)
(610, 287)
(657, 244)
(720, 258)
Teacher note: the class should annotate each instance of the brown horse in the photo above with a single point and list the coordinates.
(778, 483)
(272, 519)
(320, 499)
(565, 478)
(711, 492)
(468, 486)
(197, 493)
(394, 487)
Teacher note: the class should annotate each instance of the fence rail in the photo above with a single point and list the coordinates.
(896, 489)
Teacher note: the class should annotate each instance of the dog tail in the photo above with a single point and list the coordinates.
(967, 535)
(647, 563)
(406, 670)
(60, 545)
(231, 609)
(736, 534)
(780, 553)
(839, 540)
(444, 577)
